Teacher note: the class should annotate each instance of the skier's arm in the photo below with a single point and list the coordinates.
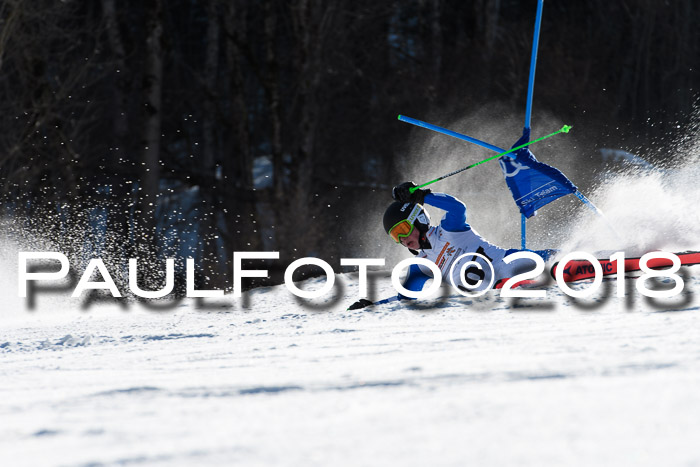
(455, 219)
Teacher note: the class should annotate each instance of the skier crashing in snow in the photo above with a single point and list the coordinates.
(453, 239)
(408, 224)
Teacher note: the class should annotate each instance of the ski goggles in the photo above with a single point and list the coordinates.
(401, 229)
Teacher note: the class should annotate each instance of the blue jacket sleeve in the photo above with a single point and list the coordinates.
(415, 280)
(455, 219)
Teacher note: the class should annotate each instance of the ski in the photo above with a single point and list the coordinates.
(581, 269)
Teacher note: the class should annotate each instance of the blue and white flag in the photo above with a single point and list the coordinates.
(532, 183)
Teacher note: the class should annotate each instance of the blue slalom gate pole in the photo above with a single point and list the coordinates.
(588, 203)
(528, 106)
(533, 64)
(593, 208)
(447, 132)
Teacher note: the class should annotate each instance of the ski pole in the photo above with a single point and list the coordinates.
(564, 129)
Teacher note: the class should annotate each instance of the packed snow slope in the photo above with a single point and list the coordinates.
(449, 381)
(445, 381)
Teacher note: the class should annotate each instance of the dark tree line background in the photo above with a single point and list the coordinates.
(132, 128)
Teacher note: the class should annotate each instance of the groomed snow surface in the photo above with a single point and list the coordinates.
(448, 381)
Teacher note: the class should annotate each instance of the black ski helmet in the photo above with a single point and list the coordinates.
(398, 211)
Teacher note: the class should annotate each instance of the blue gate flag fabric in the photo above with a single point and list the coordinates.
(532, 183)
